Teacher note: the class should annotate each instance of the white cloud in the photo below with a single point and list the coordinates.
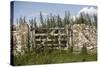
(91, 11)
(88, 10)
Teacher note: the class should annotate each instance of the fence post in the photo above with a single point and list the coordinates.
(59, 38)
(33, 36)
(72, 36)
(47, 37)
(66, 31)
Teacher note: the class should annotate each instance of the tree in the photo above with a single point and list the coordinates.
(41, 19)
(31, 24)
(17, 21)
(88, 18)
(35, 23)
(80, 19)
(59, 22)
(65, 19)
(24, 19)
(54, 21)
(48, 22)
(20, 20)
(95, 20)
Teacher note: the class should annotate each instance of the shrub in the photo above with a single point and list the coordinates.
(70, 50)
(84, 50)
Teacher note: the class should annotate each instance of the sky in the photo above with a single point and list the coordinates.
(32, 9)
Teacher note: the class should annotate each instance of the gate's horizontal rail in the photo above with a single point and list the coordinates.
(52, 45)
(56, 28)
(43, 34)
(50, 39)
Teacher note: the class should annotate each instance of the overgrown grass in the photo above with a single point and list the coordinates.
(49, 56)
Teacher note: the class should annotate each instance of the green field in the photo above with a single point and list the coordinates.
(51, 57)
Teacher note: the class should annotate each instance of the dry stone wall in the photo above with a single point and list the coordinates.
(81, 35)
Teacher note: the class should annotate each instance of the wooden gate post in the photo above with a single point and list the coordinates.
(59, 38)
(33, 33)
(67, 36)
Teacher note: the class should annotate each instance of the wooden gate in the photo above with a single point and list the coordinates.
(52, 37)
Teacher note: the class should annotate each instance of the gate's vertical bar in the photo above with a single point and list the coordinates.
(34, 37)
